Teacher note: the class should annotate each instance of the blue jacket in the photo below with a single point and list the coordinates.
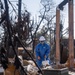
(42, 50)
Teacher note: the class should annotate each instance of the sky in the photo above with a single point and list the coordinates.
(32, 6)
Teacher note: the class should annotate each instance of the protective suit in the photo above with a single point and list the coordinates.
(43, 51)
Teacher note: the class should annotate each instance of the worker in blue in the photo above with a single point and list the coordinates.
(42, 51)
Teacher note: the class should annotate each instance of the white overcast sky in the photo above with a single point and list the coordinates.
(34, 5)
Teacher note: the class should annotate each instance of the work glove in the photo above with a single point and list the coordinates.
(45, 57)
(38, 58)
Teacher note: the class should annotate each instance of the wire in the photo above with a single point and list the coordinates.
(12, 6)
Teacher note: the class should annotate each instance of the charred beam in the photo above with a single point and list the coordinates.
(60, 6)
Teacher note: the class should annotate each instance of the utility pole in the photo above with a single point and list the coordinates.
(71, 34)
(57, 36)
(18, 26)
(0, 10)
(19, 9)
(19, 17)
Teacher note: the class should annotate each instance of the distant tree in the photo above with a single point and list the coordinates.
(47, 16)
